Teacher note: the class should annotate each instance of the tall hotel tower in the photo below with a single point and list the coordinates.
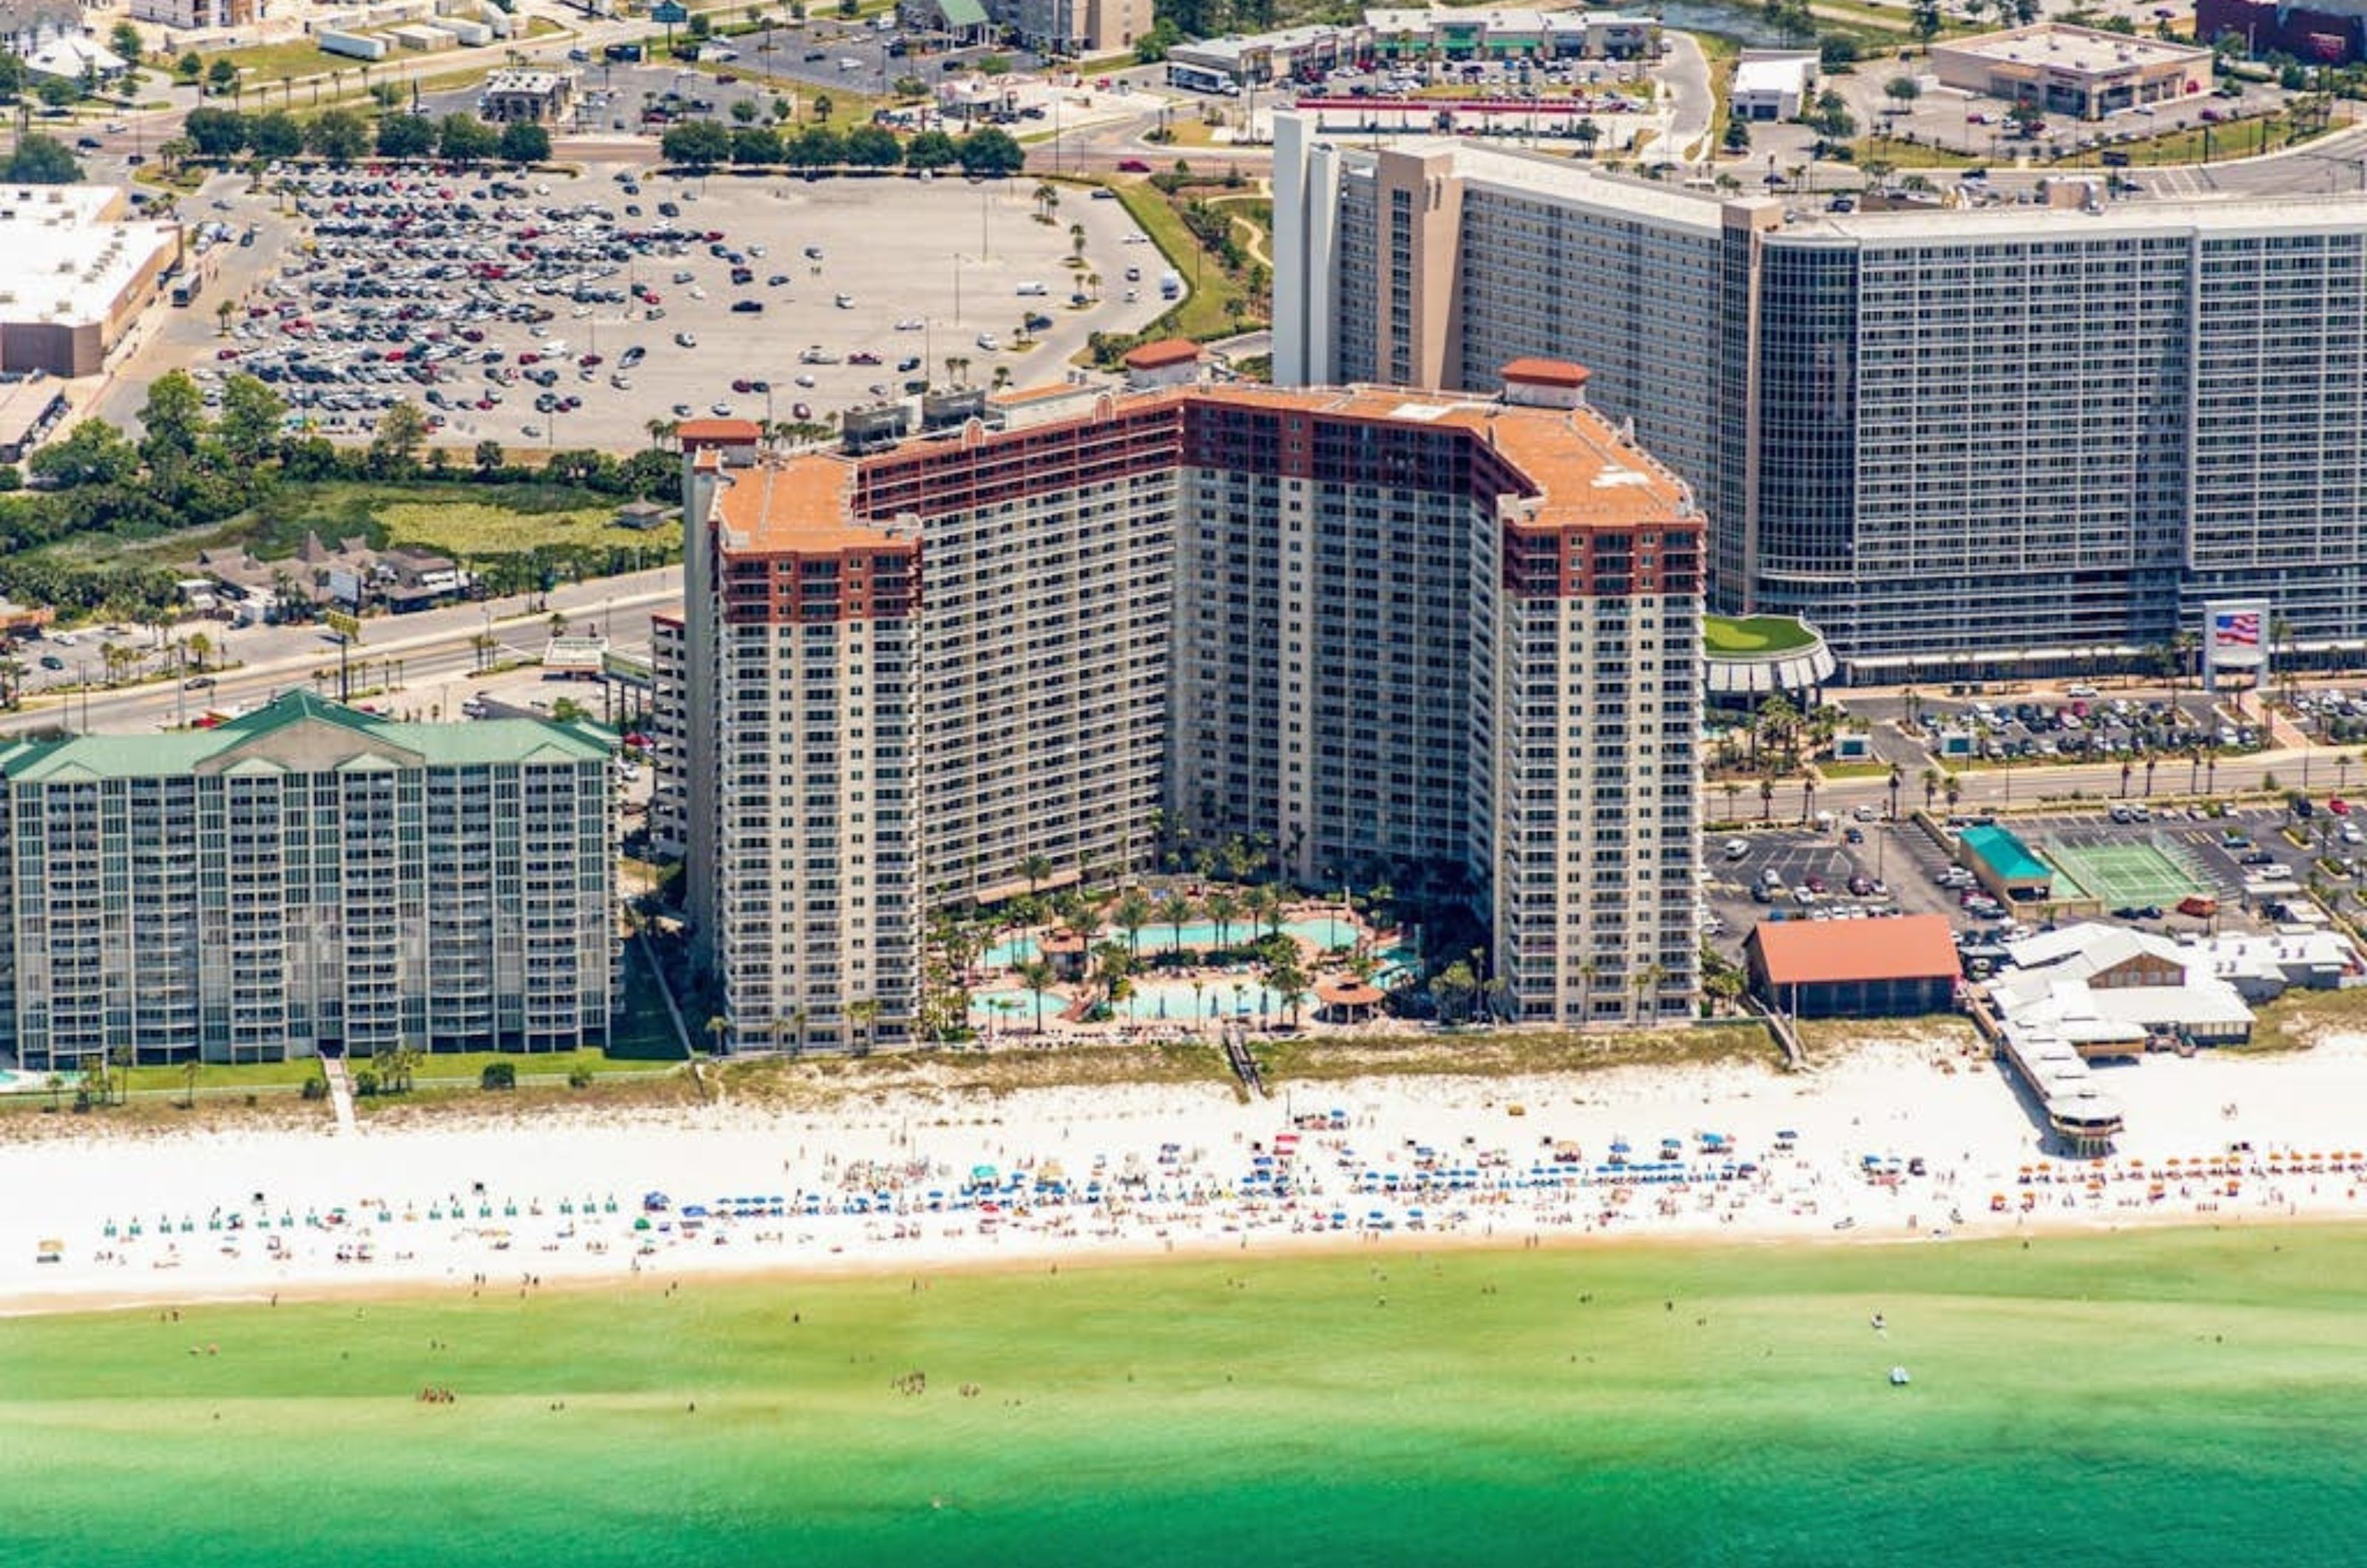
(1377, 627)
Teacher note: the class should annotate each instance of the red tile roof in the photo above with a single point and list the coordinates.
(1809, 952)
(1162, 354)
(1546, 372)
(741, 431)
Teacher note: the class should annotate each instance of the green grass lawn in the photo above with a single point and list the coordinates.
(469, 521)
(1202, 314)
(1734, 636)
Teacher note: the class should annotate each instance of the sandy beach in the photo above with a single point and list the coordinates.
(1895, 1143)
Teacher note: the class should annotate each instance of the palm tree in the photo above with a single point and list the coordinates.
(1733, 792)
(717, 1027)
(2127, 768)
(1766, 800)
(1035, 869)
(124, 1059)
(189, 1070)
(201, 648)
(1807, 797)
(1175, 913)
(1133, 913)
(1224, 907)
(1038, 976)
(223, 313)
(799, 1018)
(1725, 986)
(1265, 905)
(1077, 241)
(2150, 767)
(1930, 786)
(1047, 198)
(1897, 776)
(1288, 982)
(1648, 980)
(1954, 789)
(1112, 965)
(864, 1014)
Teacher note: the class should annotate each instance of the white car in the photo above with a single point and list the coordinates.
(989, 342)
(911, 324)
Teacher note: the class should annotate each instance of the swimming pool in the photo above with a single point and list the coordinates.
(1326, 932)
(1171, 1001)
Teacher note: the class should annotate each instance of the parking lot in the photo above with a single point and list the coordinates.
(2086, 726)
(574, 312)
(2238, 859)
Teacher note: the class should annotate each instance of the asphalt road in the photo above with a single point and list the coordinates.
(434, 648)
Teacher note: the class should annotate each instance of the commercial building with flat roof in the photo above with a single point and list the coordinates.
(1380, 629)
(74, 275)
(2079, 71)
(2016, 435)
(306, 880)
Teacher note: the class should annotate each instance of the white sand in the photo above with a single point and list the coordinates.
(1175, 1168)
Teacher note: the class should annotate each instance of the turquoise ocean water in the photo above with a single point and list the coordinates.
(2190, 1398)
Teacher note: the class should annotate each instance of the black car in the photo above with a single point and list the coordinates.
(747, 307)
(2137, 912)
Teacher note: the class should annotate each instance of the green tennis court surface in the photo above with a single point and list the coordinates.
(2120, 875)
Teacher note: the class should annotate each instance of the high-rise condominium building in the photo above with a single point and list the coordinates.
(2032, 433)
(305, 880)
(1375, 628)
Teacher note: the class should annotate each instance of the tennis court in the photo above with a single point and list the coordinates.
(2122, 873)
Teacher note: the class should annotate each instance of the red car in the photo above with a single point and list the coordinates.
(2338, 806)
(1133, 166)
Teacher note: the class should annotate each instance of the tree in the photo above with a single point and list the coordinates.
(1587, 133)
(464, 139)
(699, 143)
(1286, 978)
(1832, 118)
(1038, 976)
(340, 137)
(1175, 913)
(40, 159)
(57, 92)
(221, 76)
(815, 147)
(188, 66)
(523, 142)
(1133, 913)
(94, 452)
(2027, 116)
(218, 133)
(930, 150)
(1224, 907)
(406, 136)
(1037, 869)
(1903, 92)
(251, 416)
(1924, 18)
(865, 1015)
(873, 147)
(125, 42)
(174, 419)
(275, 134)
(989, 152)
(822, 108)
(401, 429)
(189, 1071)
(1738, 134)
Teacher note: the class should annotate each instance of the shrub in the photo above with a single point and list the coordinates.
(365, 1083)
(580, 1077)
(498, 1075)
(316, 1089)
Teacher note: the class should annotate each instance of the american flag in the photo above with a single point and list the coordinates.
(2237, 630)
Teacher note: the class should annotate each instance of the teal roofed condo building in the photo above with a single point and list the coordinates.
(306, 880)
